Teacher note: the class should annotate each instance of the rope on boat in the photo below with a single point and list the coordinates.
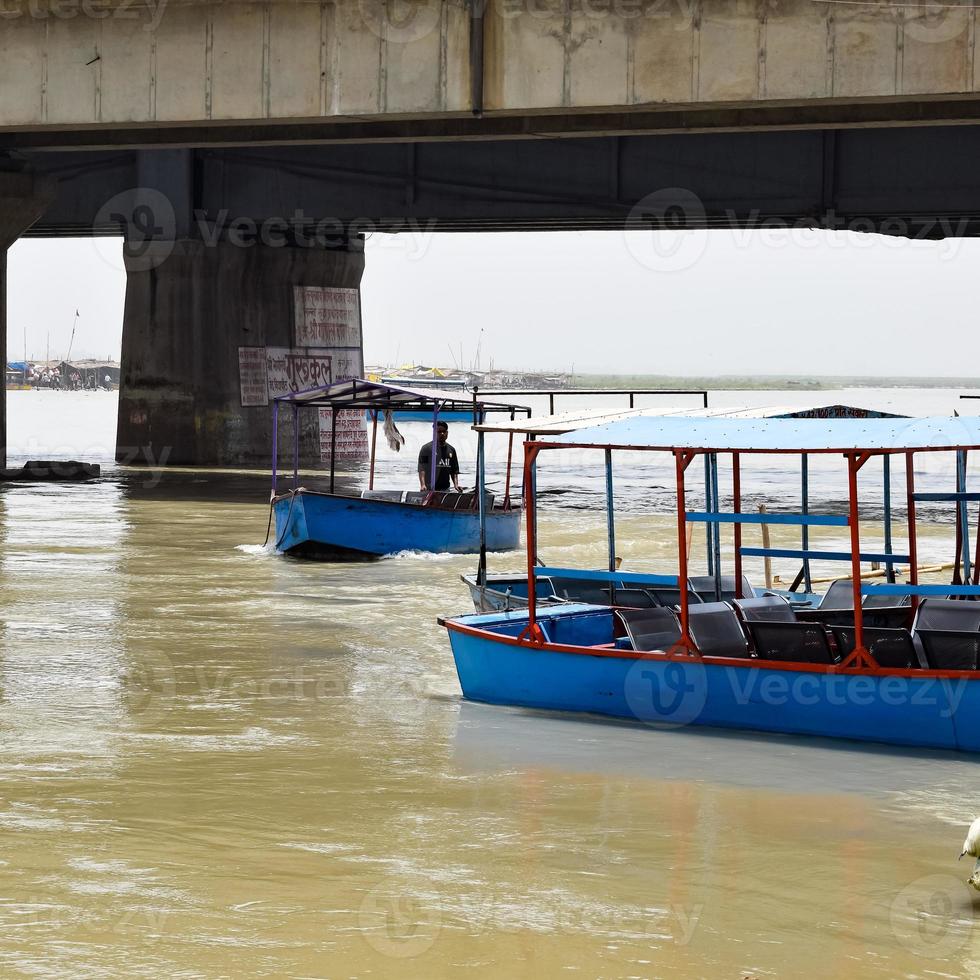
(268, 526)
(289, 513)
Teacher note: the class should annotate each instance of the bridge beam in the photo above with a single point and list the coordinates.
(190, 306)
(23, 199)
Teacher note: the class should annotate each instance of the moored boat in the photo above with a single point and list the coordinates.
(327, 524)
(900, 666)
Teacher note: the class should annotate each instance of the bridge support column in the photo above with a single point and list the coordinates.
(23, 199)
(189, 308)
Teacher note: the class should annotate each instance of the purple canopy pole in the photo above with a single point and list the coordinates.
(275, 442)
(435, 446)
(295, 446)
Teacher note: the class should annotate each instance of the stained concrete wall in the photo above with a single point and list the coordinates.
(161, 62)
(23, 198)
(185, 318)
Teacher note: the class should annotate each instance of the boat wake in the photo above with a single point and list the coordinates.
(419, 555)
(256, 549)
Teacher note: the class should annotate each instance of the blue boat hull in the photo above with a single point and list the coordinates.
(916, 708)
(329, 526)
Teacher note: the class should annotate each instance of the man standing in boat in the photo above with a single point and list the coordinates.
(447, 463)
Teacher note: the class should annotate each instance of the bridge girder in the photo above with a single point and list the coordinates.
(915, 181)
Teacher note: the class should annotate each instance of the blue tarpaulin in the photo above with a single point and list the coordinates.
(780, 435)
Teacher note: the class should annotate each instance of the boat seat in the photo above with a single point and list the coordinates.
(885, 601)
(582, 590)
(765, 609)
(827, 617)
(950, 649)
(801, 643)
(890, 647)
(670, 596)
(716, 630)
(650, 629)
(947, 614)
(887, 617)
(393, 495)
(884, 617)
(634, 599)
(704, 585)
(468, 500)
(840, 595)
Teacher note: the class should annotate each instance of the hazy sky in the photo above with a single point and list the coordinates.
(690, 303)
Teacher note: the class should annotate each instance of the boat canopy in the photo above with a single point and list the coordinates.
(571, 421)
(779, 435)
(374, 395)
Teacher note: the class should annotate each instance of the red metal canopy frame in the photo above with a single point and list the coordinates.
(859, 658)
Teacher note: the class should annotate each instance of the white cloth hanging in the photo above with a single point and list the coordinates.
(395, 439)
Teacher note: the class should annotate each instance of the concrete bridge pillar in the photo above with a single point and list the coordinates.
(23, 199)
(212, 329)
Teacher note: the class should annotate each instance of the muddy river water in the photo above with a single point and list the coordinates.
(217, 762)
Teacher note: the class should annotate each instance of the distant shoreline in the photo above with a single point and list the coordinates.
(765, 382)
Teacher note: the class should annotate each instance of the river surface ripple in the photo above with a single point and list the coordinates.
(217, 762)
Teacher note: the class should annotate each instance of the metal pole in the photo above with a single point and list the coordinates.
(481, 482)
(275, 444)
(852, 494)
(910, 497)
(530, 455)
(333, 446)
(510, 456)
(682, 547)
(296, 447)
(737, 507)
(532, 515)
(433, 456)
(804, 529)
(716, 527)
(887, 493)
(708, 506)
(962, 513)
(976, 554)
(551, 403)
(374, 449)
(610, 521)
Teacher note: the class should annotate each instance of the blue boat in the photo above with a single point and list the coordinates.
(901, 665)
(331, 526)
(327, 525)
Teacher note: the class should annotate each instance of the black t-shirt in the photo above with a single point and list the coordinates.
(446, 464)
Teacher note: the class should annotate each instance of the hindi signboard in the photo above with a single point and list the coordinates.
(252, 376)
(290, 369)
(351, 438)
(327, 316)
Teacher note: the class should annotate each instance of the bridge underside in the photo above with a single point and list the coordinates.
(242, 227)
(914, 180)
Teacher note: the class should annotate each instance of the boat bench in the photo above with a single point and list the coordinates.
(948, 632)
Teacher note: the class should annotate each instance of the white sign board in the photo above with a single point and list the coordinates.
(327, 316)
(291, 369)
(252, 376)
(352, 439)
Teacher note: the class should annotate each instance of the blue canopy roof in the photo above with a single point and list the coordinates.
(881, 435)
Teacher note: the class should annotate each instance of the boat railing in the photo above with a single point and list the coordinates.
(596, 575)
(552, 393)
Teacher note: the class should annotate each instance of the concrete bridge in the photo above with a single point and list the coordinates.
(244, 147)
